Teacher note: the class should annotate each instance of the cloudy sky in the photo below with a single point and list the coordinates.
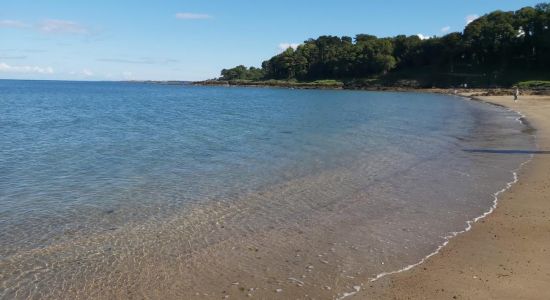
(192, 40)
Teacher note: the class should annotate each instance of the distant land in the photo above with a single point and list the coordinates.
(499, 49)
(167, 82)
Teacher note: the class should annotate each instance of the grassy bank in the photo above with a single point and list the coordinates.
(535, 87)
(317, 84)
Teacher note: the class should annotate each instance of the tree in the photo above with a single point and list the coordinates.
(496, 43)
(242, 73)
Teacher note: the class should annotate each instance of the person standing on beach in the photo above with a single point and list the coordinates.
(516, 94)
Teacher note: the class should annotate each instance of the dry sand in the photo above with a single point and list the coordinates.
(504, 256)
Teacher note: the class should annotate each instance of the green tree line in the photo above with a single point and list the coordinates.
(495, 48)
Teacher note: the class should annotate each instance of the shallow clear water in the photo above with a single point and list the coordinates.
(86, 167)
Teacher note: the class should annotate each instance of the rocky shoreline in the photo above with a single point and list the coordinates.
(335, 85)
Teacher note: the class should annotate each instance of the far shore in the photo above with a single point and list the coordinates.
(505, 255)
(337, 85)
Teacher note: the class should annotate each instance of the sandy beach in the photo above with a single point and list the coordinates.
(325, 234)
(505, 255)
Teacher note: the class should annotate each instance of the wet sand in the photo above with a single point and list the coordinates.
(507, 254)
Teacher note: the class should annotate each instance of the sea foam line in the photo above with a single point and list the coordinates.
(468, 223)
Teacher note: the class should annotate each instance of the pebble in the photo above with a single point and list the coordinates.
(278, 290)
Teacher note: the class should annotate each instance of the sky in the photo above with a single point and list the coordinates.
(195, 39)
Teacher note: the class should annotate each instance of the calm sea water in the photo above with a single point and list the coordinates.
(88, 166)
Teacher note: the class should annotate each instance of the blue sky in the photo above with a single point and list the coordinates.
(193, 40)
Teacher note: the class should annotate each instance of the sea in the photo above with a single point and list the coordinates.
(137, 190)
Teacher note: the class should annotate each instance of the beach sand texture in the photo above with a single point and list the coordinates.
(504, 256)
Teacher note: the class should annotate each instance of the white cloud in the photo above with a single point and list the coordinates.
(470, 18)
(143, 60)
(87, 72)
(48, 26)
(128, 75)
(82, 73)
(284, 46)
(5, 68)
(423, 37)
(13, 24)
(13, 57)
(446, 29)
(192, 16)
(61, 26)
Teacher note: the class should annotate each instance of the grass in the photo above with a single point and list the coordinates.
(407, 79)
(328, 83)
(533, 84)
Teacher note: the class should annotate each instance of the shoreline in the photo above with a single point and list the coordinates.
(470, 93)
(335, 270)
(469, 223)
(445, 271)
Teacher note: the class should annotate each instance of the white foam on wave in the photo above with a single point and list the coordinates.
(469, 223)
(455, 233)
